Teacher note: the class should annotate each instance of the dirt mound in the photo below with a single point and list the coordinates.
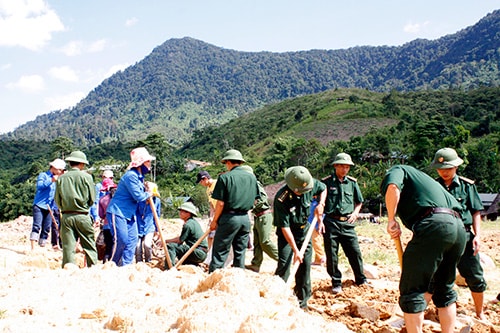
(36, 292)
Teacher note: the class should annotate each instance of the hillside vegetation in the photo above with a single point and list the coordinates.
(377, 129)
(185, 85)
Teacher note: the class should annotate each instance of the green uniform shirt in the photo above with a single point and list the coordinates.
(237, 188)
(261, 203)
(291, 209)
(465, 192)
(75, 191)
(191, 232)
(418, 193)
(342, 196)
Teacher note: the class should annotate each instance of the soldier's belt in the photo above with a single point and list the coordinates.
(263, 212)
(440, 210)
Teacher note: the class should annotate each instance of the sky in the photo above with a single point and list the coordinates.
(54, 52)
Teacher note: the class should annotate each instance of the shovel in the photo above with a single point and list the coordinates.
(157, 222)
(191, 249)
(399, 248)
(53, 218)
(296, 263)
(54, 222)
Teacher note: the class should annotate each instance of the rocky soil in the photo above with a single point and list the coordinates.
(37, 294)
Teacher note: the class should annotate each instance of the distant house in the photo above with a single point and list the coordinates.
(193, 164)
(491, 202)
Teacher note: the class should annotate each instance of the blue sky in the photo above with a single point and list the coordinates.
(54, 52)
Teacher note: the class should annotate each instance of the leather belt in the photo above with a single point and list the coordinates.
(236, 212)
(74, 212)
(263, 212)
(440, 210)
(338, 217)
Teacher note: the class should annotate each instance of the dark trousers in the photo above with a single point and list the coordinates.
(232, 230)
(470, 268)
(343, 234)
(302, 287)
(177, 251)
(432, 254)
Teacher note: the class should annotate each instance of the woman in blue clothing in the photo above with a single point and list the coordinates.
(44, 200)
(123, 206)
(146, 226)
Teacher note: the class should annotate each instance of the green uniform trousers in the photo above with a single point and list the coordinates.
(232, 229)
(74, 227)
(178, 250)
(470, 268)
(432, 254)
(262, 227)
(302, 288)
(343, 234)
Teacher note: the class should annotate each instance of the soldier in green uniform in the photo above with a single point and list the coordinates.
(235, 192)
(291, 211)
(438, 242)
(75, 194)
(343, 203)
(190, 233)
(446, 162)
(262, 227)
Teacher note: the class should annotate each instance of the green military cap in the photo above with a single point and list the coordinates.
(299, 179)
(232, 155)
(247, 168)
(77, 156)
(446, 158)
(189, 207)
(343, 158)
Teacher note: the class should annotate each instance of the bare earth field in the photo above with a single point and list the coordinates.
(37, 294)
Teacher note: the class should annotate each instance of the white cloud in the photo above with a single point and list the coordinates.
(5, 67)
(64, 73)
(131, 22)
(62, 102)
(28, 83)
(77, 47)
(73, 48)
(97, 46)
(27, 23)
(415, 28)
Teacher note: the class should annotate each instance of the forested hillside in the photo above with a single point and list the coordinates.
(377, 129)
(185, 84)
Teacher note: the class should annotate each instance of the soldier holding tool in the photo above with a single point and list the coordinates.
(291, 211)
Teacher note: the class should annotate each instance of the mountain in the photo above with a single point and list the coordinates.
(185, 85)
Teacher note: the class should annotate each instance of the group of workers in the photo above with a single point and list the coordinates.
(442, 213)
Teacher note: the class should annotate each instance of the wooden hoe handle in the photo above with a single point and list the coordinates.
(157, 222)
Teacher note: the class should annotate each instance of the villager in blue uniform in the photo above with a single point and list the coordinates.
(44, 199)
(146, 226)
(123, 206)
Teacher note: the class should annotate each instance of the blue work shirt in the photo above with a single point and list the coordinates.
(129, 193)
(45, 190)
